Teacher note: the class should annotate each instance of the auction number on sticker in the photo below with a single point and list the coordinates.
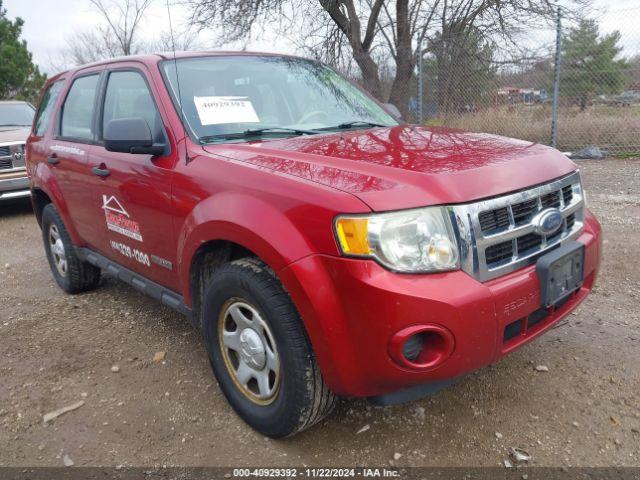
(129, 252)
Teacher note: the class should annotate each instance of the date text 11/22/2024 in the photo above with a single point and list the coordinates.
(316, 472)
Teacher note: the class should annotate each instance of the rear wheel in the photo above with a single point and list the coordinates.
(260, 352)
(71, 273)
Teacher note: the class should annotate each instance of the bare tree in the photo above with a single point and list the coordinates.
(179, 41)
(91, 46)
(372, 33)
(124, 24)
(117, 36)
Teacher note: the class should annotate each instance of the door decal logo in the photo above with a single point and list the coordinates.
(118, 219)
(66, 149)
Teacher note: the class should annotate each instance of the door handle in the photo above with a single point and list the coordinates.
(101, 172)
(53, 159)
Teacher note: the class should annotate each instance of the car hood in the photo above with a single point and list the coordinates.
(13, 134)
(407, 166)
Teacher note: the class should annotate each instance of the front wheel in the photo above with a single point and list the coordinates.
(260, 352)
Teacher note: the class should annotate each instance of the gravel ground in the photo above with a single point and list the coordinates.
(56, 350)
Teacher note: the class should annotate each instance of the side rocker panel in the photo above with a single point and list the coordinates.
(144, 285)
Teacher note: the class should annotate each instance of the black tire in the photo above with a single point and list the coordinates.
(79, 276)
(302, 399)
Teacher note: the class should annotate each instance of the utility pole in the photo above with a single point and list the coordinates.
(556, 81)
(420, 87)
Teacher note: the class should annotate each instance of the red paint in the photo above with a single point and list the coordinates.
(408, 166)
(278, 199)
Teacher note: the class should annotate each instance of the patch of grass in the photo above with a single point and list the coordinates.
(614, 128)
(434, 122)
(628, 155)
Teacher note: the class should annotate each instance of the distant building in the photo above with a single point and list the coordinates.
(516, 95)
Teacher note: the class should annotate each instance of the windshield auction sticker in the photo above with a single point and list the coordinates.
(217, 110)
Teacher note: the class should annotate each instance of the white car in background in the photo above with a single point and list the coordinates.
(15, 124)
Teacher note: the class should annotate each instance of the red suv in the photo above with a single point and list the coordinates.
(323, 247)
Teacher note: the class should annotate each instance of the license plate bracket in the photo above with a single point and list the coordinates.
(561, 272)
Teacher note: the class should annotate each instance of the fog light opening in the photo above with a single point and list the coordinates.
(422, 346)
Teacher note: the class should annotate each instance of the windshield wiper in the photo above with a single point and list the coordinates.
(297, 131)
(256, 132)
(14, 125)
(354, 123)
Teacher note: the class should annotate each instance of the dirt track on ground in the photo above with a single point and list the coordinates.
(56, 350)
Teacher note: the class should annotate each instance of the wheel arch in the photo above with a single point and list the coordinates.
(237, 223)
(45, 190)
(39, 200)
(209, 256)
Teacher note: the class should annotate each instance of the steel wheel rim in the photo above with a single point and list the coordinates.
(249, 351)
(57, 250)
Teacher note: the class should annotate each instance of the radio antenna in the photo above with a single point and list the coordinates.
(175, 66)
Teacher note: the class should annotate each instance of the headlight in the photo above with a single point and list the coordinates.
(420, 240)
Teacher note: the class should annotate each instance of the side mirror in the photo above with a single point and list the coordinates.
(392, 110)
(130, 135)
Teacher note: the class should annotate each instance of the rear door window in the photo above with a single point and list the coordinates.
(43, 118)
(77, 111)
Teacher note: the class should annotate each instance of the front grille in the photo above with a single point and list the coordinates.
(6, 163)
(494, 220)
(525, 326)
(519, 328)
(537, 316)
(6, 157)
(523, 212)
(500, 235)
(550, 200)
(529, 241)
(499, 252)
(513, 330)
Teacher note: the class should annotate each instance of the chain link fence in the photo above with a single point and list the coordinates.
(578, 88)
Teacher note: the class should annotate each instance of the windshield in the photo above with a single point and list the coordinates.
(16, 114)
(225, 95)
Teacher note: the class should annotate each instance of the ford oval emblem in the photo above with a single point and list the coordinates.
(548, 221)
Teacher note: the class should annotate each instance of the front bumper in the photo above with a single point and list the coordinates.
(14, 185)
(353, 308)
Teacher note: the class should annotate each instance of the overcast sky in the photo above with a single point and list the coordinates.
(49, 22)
